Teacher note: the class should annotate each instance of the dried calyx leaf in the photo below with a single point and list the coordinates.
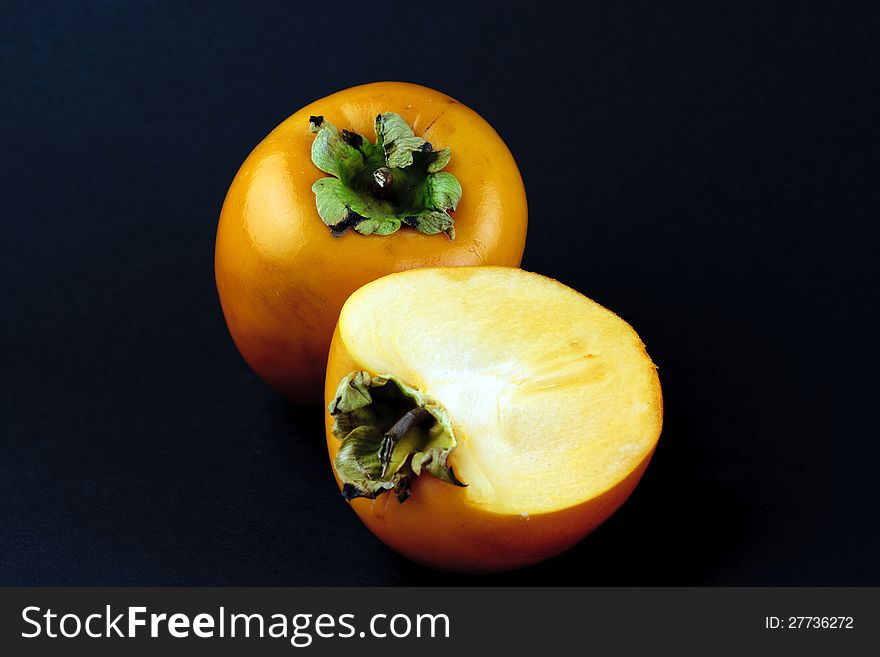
(390, 433)
(377, 188)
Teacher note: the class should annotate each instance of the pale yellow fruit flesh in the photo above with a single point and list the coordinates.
(552, 397)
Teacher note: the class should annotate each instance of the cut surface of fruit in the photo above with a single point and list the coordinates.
(553, 398)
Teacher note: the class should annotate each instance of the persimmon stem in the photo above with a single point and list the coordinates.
(413, 417)
(383, 177)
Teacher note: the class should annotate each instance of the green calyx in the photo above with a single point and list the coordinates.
(390, 433)
(377, 188)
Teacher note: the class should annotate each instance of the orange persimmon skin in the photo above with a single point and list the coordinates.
(282, 277)
(438, 527)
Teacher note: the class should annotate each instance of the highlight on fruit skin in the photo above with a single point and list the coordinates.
(486, 418)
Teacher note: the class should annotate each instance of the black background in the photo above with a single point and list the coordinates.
(711, 174)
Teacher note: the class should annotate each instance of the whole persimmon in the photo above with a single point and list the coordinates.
(486, 418)
(372, 180)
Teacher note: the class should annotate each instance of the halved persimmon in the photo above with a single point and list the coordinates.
(368, 181)
(486, 418)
